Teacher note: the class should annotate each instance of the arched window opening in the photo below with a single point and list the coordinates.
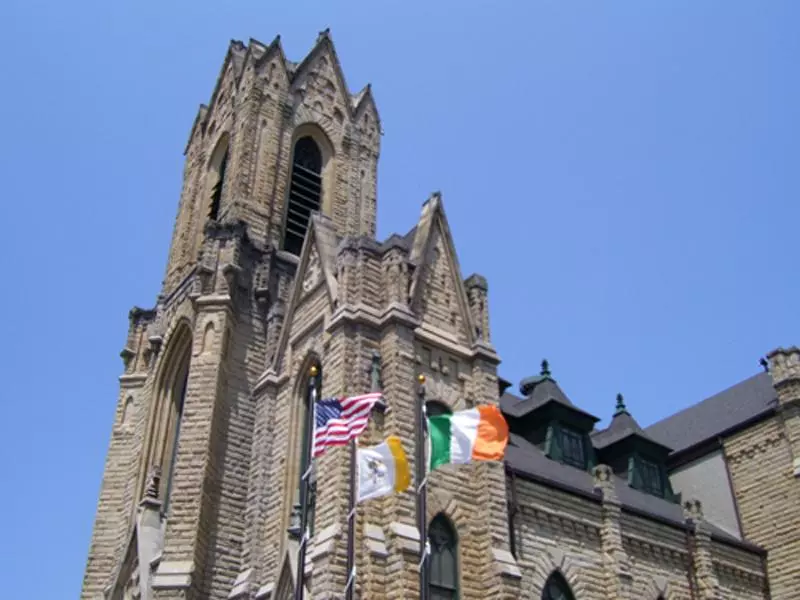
(443, 571)
(434, 408)
(165, 421)
(216, 191)
(178, 401)
(305, 193)
(556, 588)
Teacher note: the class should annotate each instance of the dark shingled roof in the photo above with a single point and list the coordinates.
(542, 391)
(530, 462)
(720, 414)
(622, 426)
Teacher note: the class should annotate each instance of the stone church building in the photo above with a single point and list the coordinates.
(274, 268)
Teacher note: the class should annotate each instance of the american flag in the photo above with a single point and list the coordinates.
(340, 420)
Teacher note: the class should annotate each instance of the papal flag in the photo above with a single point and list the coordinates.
(480, 433)
(381, 469)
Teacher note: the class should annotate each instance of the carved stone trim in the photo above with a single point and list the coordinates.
(135, 380)
(174, 574)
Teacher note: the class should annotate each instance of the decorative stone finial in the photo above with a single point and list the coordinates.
(620, 406)
(602, 473)
(545, 368)
(693, 510)
(153, 482)
(127, 356)
(604, 483)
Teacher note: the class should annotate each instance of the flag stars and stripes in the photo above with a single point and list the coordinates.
(337, 421)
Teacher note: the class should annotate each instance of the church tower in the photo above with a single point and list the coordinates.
(274, 268)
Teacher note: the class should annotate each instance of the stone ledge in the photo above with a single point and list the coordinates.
(506, 564)
(269, 379)
(406, 536)
(362, 313)
(375, 541)
(215, 301)
(132, 380)
(324, 543)
(241, 586)
(265, 591)
(175, 574)
(443, 339)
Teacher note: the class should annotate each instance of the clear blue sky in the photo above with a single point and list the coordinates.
(625, 174)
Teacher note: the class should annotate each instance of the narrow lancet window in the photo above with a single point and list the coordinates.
(443, 559)
(305, 193)
(216, 191)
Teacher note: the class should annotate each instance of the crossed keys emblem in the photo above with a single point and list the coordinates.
(377, 470)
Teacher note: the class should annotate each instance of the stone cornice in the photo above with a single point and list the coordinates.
(365, 315)
(737, 571)
(175, 574)
(654, 544)
(269, 379)
(560, 517)
(133, 380)
(215, 301)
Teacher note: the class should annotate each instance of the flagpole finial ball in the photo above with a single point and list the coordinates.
(313, 371)
(421, 378)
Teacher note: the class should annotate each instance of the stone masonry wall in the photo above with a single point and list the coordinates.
(767, 494)
(561, 531)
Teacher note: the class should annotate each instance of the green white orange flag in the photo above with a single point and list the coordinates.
(381, 470)
(480, 433)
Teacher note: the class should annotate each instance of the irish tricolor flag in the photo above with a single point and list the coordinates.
(480, 433)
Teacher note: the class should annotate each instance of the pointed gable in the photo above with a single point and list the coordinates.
(272, 65)
(315, 289)
(221, 99)
(320, 73)
(437, 294)
(624, 429)
(364, 104)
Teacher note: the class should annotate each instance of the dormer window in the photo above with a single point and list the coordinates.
(572, 448)
(633, 454)
(650, 477)
(547, 419)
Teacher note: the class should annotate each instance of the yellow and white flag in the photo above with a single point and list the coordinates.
(381, 470)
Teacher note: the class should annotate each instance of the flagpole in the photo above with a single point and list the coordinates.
(313, 394)
(351, 526)
(422, 489)
(375, 386)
